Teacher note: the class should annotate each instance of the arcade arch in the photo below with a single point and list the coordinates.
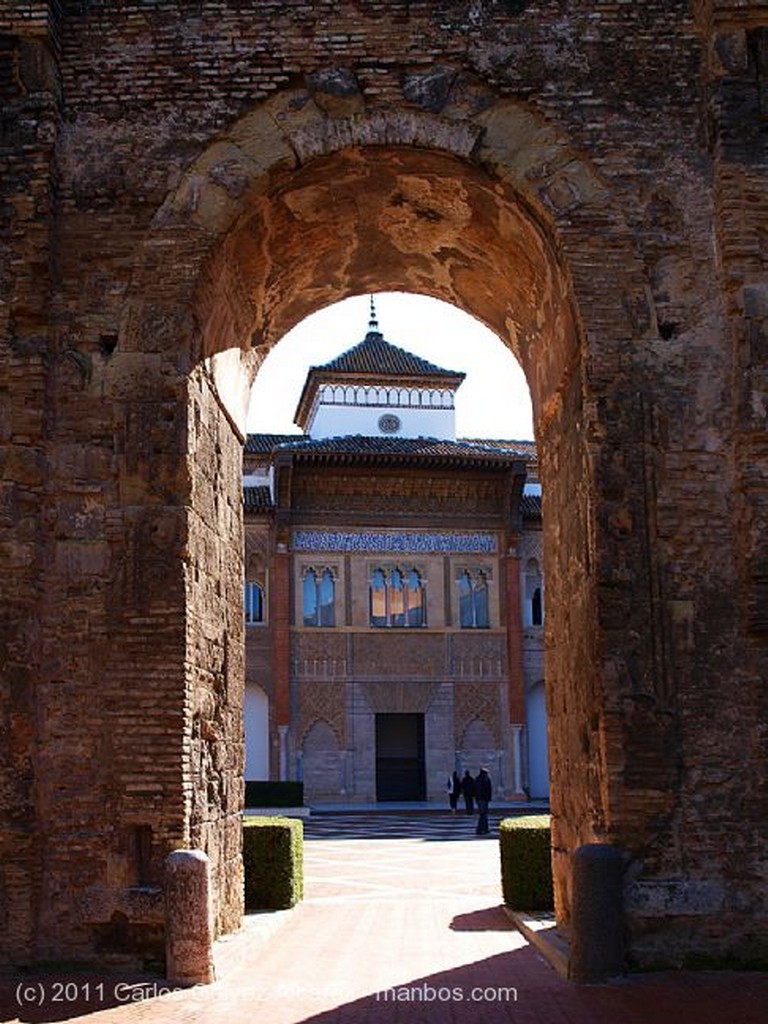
(273, 223)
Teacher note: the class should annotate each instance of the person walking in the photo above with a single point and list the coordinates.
(483, 793)
(468, 789)
(454, 791)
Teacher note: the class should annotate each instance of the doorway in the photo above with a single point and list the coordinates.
(400, 771)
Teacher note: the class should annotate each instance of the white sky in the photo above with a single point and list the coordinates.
(493, 401)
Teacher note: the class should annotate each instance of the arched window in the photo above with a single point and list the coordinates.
(255, 608)
(473, 600)
(466, 614)
(378, 598)
(397, 599)
(415, 606)
(482, 614)
(327, 599)
(309, 597)
(537, 611)
(533, 598)
(318, 590)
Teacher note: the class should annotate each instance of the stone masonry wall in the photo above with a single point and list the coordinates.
(164, 168)
(30, 102)
(215, 655)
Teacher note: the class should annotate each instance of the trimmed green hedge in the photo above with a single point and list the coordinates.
(526, 862)
(274, 794)
(273, 856)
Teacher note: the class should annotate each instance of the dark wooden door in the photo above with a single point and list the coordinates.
(400, 771)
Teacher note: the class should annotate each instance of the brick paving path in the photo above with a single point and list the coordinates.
(392, 931)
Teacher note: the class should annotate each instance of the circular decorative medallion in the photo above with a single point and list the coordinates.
(389, 424)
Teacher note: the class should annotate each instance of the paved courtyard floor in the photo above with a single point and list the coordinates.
(401, 924)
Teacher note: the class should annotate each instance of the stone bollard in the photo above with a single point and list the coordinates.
(188, 919)
(597, 934)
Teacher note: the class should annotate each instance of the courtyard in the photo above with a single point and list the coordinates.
(401, 922)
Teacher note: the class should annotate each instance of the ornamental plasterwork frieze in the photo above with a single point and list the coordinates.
(400, 697)
(531, 546)
(412, 494)
(474, 569)
(477, 701)
(478, 656)
(321, 655)
(395, 543)
(397, 654)
(319, 566)
(322, 704)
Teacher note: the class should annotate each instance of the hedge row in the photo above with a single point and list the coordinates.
(526, 862)
(273, 857)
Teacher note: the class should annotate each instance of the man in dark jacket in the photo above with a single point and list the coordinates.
(468, 789)
(483, 793)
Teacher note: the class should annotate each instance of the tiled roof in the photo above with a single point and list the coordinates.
(266, 443)
(256, 498)
(524, 447)
(256, 444)
(360, 446)
(376, 359)
(375, 356)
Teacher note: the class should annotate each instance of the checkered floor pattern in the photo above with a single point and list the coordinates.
(383, 825)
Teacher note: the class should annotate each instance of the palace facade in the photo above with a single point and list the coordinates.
(394, 591)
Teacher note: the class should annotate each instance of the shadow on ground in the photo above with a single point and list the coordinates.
(518, 987)
(515, 987)
(489, 919)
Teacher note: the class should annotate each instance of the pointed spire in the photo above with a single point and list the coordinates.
(373, 323)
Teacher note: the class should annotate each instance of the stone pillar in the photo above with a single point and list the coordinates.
(516, 686)
(282, 731)
(343, 788)
(188, 919)
(597, 929)
(281, 619)
(517, 759)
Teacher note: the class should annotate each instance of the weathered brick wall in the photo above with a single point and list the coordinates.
(737, 63)
(29, 102)
(178, 179)
(215, 650)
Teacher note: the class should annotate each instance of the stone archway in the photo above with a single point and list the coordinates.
(154, 219)
(288, 213)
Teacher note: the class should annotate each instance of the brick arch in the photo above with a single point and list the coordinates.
(500, 216)
(129, 350)
(286, 170)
